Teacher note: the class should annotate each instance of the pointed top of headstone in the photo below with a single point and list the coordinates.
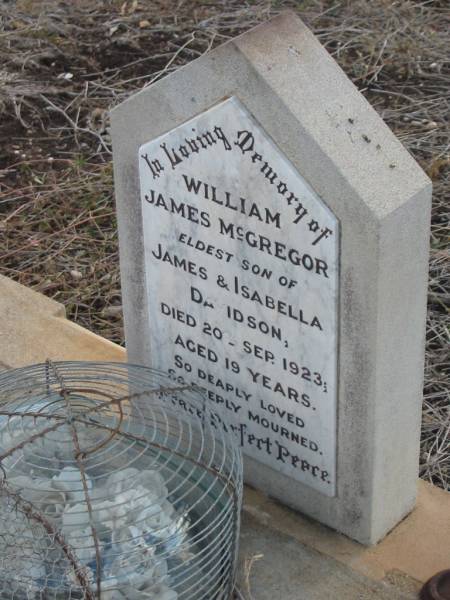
(288, 81)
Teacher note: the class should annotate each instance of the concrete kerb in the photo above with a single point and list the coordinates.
(33, 328)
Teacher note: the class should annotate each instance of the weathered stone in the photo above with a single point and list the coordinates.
(346, 168)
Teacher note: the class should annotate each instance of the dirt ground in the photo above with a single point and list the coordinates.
(63, 65)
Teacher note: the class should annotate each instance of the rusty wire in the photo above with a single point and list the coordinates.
(70, 433)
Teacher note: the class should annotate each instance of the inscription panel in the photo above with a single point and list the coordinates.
(241, 259)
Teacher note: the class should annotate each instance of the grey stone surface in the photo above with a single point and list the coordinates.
(273, 566)
(315, 115)
(275, 245)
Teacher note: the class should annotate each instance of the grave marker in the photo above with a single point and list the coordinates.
(274, 240)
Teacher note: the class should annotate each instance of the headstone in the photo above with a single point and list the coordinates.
(274, 250)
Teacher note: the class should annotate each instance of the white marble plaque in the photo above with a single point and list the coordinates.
(241, 263)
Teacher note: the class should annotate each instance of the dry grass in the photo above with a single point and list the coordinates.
(64, 64)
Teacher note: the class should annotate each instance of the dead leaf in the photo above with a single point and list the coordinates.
(112, 311)
(125, 10)
(77, 275)
(18, 24)
(435, 167)
(143, 24)
(430, 125)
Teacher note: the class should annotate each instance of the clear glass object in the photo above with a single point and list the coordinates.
(116, 483)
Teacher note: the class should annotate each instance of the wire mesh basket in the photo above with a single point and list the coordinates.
(115, 484)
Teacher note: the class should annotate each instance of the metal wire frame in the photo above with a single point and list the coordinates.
(97, 420)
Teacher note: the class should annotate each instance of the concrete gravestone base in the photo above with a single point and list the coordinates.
(321, 562)
(262, 157)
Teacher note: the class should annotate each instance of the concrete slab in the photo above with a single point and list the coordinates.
(409, 555)
(274, 566)
(34, 328)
